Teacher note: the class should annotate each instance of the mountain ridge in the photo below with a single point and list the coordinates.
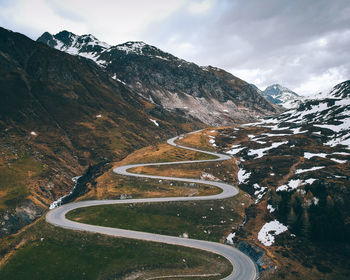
(209, 94)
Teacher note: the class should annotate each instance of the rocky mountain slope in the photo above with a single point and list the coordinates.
(329, 117)
(60, 114)
(209, 94)
(297, 168)
(278, 94)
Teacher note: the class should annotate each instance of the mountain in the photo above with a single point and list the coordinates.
(278, 94)
(312, 141)
(328, 115)
(296, 168)
(209, 94)
(61, 115)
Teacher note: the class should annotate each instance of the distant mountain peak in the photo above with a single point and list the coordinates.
(281, 95)
(277, 89)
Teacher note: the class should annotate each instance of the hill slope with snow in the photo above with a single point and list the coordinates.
(296, 168)
(328, 117)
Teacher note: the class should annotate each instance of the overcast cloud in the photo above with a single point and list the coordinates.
(303, 45)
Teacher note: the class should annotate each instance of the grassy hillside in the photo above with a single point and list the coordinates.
(60, 114)
(54, 253)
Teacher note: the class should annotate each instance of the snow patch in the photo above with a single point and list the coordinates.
(229, 238)
(299, 171)
(154, 121)
(270, 208)
(235, 149)
(292, 185)
(310, 181)
(339, 160)
(268, 232)
(261, 152)
(308, 155)
(344, 125)
(260, 192)
(342, 140)
(131, 47)
(212, 140)
(275, 135)
(243, 176)
(341, 153)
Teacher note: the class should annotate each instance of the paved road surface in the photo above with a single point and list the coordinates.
(243, 266)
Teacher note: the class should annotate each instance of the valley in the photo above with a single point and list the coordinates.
(244, 188)
(213, 221)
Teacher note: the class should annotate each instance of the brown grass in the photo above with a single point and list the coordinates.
(179, 172)
(110, 185)
(160, 153)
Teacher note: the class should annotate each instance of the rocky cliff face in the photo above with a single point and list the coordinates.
(209, 94)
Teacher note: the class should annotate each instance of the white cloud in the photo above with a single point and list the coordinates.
(262, 43)
(200, 7)
(185, 49)
(38, 15)
(328, 79)
(111, 21)
(120, 21)
(257, 76)
(322, 42)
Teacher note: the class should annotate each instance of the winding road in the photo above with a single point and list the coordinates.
(243, 266)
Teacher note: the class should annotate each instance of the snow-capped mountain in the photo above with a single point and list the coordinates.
(208, 94)
(90, 47)
(278, 94)
(328, 117)
(85, 45)
(330, 93)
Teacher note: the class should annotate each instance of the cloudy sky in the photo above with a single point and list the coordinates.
(303, 45)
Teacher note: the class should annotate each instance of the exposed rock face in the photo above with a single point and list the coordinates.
(209, 94)
(23, 215)
(278, 94)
